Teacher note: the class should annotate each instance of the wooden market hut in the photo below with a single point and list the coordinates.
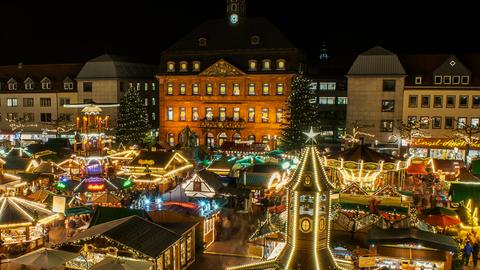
(137, 238)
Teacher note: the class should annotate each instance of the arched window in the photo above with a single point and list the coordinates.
(46, 83)
(183, 66)
(222, 138)
(255, 40)
(281, 64)
(252, 65)
(196, 66)
(267, 64)
(202, 42)
(171, 139)
(170, 66)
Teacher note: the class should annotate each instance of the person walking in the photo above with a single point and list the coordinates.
(475, 250)
(467, 252)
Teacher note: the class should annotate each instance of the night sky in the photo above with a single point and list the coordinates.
(79, 30)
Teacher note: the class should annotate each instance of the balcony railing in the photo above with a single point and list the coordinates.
(228, 123)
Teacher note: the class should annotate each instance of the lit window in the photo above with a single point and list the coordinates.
(169, 89)
(251, 89)
(196, 66)
(236, 89)
(474, 122)
(265, 115)
(461, 122)
(236, 114)
(266, 64)
(153, 116)
(195, 114)
(12, 84)
(170, 114)
(12, 116)
(313, 86)
(412, 119)
(223, 114)
(139, 86)
(46, 83)
(68, 85)
(183, 114)
(195, 89)
(328, 86)
(171, 142)
(424, 122)
(154, 86)
(145, 86)
(28, 84)
(463, 102)
(447, 79)
(183, 66)
(209, 113)
(11, 102)
(209, 89)
(388, 105)
(280, 89)
(153, 101)
(183, 89)
(386, 125)
(326, 100)
(465, 79)
(252, 65)
(280, 64)
(223, 89)
(266, 89)
(438, 79)
(170, 66)
(146, 102)
(251, 114)
(279, 115)
(202, 42)
(342, 100)
(418, 80)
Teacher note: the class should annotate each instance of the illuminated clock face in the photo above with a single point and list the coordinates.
(305, 225)
(321, 224)
(233, 18)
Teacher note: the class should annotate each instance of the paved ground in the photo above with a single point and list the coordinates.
(218, 262)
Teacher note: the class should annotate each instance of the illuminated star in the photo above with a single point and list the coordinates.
(311, 135)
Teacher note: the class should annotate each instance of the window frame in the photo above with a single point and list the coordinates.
(390, 129)
(437, 79)
(433, 122)
(447, 79)
(409, 101)
(435, 105)
(386, 101)
(385, 83)
(428, 103)
(467, 81)
(252, 86)
(460, 101)
(418, 80)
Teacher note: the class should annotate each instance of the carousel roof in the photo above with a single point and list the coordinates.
(20, 212)
(157, 159)
(364, 153)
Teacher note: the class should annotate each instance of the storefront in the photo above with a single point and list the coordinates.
(443, 148)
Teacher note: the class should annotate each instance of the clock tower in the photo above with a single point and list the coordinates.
(236, 11)
(309, 221)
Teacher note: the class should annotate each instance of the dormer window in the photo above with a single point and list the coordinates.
(255, 40)
(252, 65)
(465, 79)
(183, 66)
(196, 66)
(12, 84)
(447, 79)
(28, 84)
(438, 80)
(46, 83)
(418, 80)
(266, 64)
(456, 79)
(67, 84)
(170, 66)
(202, 42)
(281, 64)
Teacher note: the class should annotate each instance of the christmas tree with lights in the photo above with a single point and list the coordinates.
(132, 118)
(300, 114)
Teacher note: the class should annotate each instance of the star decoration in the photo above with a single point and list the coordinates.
(311, 135)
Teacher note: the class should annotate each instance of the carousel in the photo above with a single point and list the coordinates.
(368, 168)
(22, 223)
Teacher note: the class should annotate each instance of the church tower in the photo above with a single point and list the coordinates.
(236, 11)
(309, 221)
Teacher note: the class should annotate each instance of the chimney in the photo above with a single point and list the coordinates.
(20, 65)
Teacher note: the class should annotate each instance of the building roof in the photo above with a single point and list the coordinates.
(377, 61)
(135, 232)
(233, 43)
(178, 228)
(410, 235)
(107, 66)
(426, 65)
(56, 73)
(211, 178)
(106, 214)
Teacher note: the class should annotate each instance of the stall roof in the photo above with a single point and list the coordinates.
(447, 165)
(107, 214)
(82, 210)
(462, 191)
(410, 235)
(362, 152)
(135, 232)
(15, 211)
(465, 175)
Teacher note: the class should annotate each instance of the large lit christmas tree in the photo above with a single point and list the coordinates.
(301, 114)
(132, 118)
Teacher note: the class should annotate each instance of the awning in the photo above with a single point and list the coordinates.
(417, 169)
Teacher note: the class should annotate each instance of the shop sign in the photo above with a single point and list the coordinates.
(367, 262)
(444, 143)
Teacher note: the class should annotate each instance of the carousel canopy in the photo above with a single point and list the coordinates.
(15, 212)
(362, 152)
